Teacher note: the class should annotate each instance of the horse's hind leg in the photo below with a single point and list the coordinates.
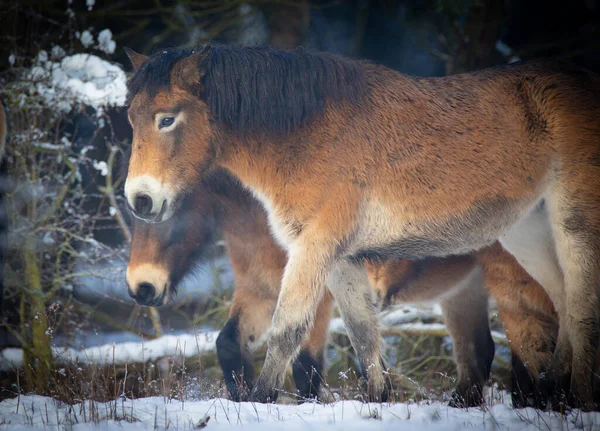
(308, 366)
(574, 209)
(532, 243)
(356, 301)
(465, 312)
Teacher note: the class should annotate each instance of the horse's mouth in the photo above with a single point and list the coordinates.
(161, 300)
(161, 213)
(157, 219)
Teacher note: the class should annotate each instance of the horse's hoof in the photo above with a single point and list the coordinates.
(263, 396)
(466, 398)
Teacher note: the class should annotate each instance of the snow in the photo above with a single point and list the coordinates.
(101, 166)
(184, 345)
(507, 52)
(86, 38)
(57, 52)
(90, 4)
(105, 42)
(79, 78)
(37, 412)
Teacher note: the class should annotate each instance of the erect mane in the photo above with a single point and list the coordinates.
(260, 89)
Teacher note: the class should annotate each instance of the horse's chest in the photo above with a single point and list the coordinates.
(282, 228)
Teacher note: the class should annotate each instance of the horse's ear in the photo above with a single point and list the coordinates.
(136, 59)
(188, 72)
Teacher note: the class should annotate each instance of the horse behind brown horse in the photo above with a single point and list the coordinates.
(355, 161)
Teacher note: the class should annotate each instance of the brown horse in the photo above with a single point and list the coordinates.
(355, 161)
(162, 254)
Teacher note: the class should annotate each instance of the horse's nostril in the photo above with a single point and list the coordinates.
(145, 293)
(143, 205)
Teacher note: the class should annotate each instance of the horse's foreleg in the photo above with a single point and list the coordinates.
(301, 289)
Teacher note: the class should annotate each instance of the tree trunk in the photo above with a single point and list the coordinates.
(38, 354)
(288, 23)
(475, 47)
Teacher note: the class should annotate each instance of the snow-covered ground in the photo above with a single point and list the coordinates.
(35, 412)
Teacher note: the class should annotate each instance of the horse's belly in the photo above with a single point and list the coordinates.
(386, 234)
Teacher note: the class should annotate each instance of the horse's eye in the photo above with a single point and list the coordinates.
(166, 122)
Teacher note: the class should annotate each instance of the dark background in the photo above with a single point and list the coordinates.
(421, 37)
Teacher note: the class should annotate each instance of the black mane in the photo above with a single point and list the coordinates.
(260, 89)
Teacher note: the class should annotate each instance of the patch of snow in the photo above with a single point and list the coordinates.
(57, 52)
(79, 78)
(507, 52)
(11, 59)
(503, 48)
(105, 42)
(86, 38)
(167, 346)
(42, 56)
(48, 146)
(47, 239)
(101, 166)
(90, 4)
(37, 412)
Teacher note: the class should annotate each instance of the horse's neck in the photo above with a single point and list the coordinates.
(267, 164)
(241, 213)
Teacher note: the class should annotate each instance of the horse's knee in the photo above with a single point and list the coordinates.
(238, 371)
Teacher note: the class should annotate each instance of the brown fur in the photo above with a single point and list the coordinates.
(416, 168)
(528, 316)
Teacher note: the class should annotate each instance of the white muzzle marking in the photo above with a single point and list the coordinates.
(149, 273)
(162, 197)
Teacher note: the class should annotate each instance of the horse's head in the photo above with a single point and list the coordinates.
(188, 108)
(171, 133)
(162, 254)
